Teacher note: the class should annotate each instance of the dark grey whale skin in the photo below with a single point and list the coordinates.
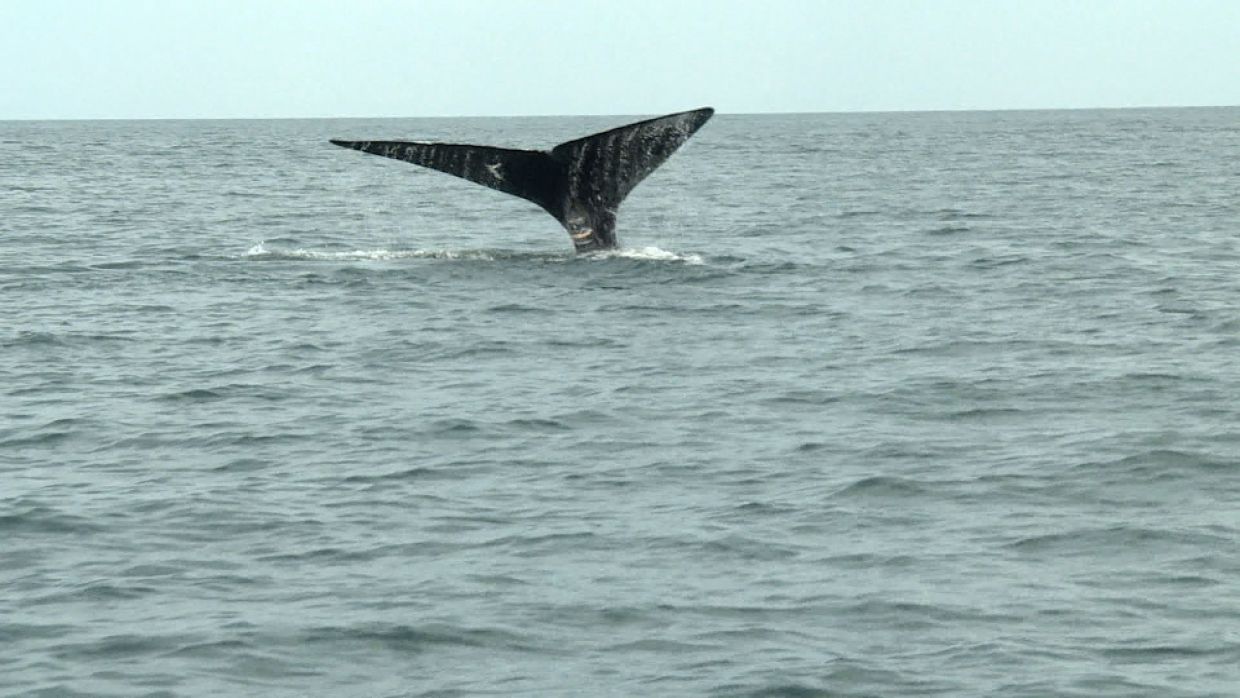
(579, 182)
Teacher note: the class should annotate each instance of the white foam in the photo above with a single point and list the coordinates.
(261, 250)
(653, 254)
(649, 254)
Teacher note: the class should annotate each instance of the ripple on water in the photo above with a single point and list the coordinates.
(936, 404)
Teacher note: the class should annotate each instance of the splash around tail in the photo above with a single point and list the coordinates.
(263, 252)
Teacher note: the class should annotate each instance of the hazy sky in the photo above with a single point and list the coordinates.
(292, 58)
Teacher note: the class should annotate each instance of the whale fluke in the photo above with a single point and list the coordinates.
(580, 182)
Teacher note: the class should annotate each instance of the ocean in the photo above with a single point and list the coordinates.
(901, 404)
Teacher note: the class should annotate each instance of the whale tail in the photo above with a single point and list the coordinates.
(580, 182)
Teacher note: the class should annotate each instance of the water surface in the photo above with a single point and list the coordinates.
(881, 404)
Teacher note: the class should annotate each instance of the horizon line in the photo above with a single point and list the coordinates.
(592, 115)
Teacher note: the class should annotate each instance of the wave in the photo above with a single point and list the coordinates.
(407, 638)
(46, 520)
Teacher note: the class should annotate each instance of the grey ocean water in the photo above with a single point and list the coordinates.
(937, 404)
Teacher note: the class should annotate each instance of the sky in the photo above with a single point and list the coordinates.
(88, 59)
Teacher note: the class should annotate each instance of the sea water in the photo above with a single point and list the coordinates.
(938, 404)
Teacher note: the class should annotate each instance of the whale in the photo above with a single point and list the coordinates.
(581, 182)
